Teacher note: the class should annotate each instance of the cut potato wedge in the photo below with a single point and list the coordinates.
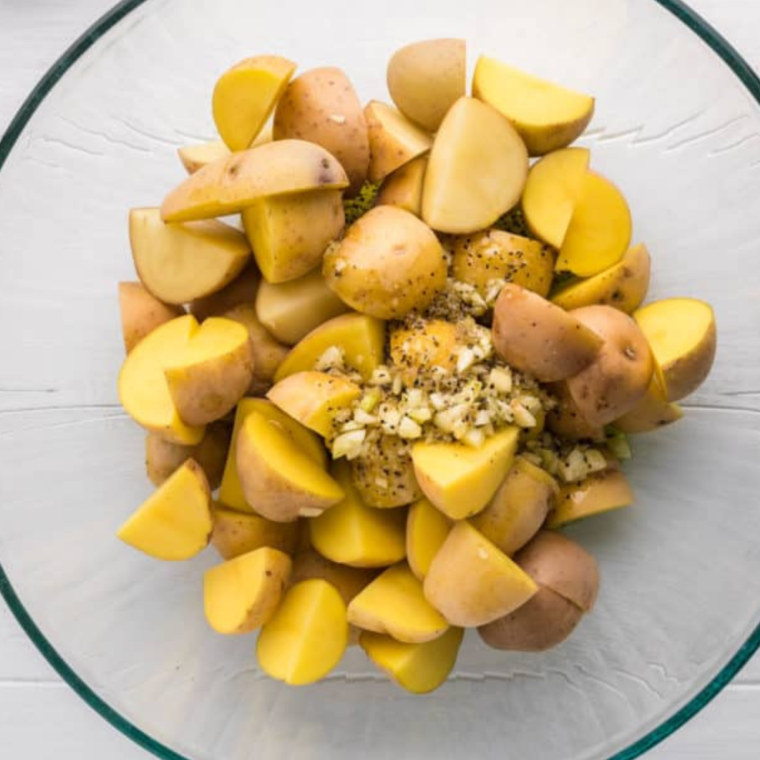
(236, 533)
(653, 412)
(241, 595)
(426, 530)
(567, 421)
(476, 171)
(174, 523)
(180, 262)
(348, 581)
(194, 157)
(460, 480)
(403, 188)
(597, 494)
(242, 290)
(422, 345)
(228, 185)
(546, 115)
(141, 313)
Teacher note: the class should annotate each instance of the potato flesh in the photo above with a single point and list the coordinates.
(241, 594)
(237, 533)
(653, 412)
(597, 494)
(306, 637)
(242, 290)
(394, 604)
(426, 530)
(194, 157)
(403, 188)
(347, 581)
(424, 345)
(174, 523)
(141, 313)
(476, 171)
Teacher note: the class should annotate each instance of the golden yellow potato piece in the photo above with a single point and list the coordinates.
(535, 336)
(245, 96)
(307, 636)
(599, 231)
(289, 233)
(229, 184)
(194, 157)
(683, 337)
(567, 421)
(352, 533)
(471, 582)
(313, 398)
(460, 480)
(278, 477)
(143, 390)
(552, 189)
(231, 491)
(321, 106)
(494, 254)
(426, 78)
(403, 188)
(653, 412)
(519, 508)
(237, 533)
(546, 115)
(360, 338)
(599, 493)
(476, 171)
(425, 344)
(426, 530)
(618, 377)
(242, 290)
(213, 373)
(348, 581)
(241, 594)
(388, 264)
(141, 313)
(180, 262)
(623, 285)
(393, 140)
(174, 523)
(394, 604)
(291, 310)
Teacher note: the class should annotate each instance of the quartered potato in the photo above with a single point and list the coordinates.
(237, 533)
(141, 313)
(597, 494)
(403, 188)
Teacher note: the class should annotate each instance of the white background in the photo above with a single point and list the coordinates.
(40, 717)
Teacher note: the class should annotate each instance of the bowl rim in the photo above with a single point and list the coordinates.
(690, 18)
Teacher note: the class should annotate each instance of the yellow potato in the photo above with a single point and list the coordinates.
(403, 188)
(212, 374)
(546, 115)
(174, 523)
(493, 254)
(306, 637)
(599, 231)
(388, 264)
(426, 78)
(424, 344)
(426, 530)
(194, 157)
(554, 561)
(289, 233)
(143, 390)
(597, 494)
(535, 336)
(241, 594)
(361, 340)
(460, 480)
(237, 533)
(322, 107)
(519, 508)
(180, 262)
(623, 285)
(245, 96)
(618, 377)
(476, 171)
(653, 412)
(553, 187)
(291, 310)
(393, 140)
(418, 668)
(278, 477)
(242, 290)
(347, 581)
(141, 313)
(544, 621)
(313, 398)
(394, 604)
(683, 337)
(567, 421)
(472, 583)
(231, 491)
(352, 533)
(228, 185)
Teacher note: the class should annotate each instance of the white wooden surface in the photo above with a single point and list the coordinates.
(40, 718)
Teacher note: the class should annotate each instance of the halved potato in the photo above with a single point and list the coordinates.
(242, 290)
(476, 171)
(599, 493)
(567, 421)
(653, 412)
(174, 523)
(546, 115)
(180, 262)
(141, 313)
(403, 188)
(424, 344)
(426, 530)
(194, 157)
(237, 533)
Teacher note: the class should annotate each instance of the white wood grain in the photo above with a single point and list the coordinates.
(41, 718)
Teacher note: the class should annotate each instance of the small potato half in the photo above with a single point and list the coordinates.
(141, 312)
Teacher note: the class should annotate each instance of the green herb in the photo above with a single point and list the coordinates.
(362, 203)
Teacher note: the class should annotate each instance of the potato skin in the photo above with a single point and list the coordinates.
(237, 533)
(141, 313)
(567, 421)
(393, 463)
(321, 106)
(242, 289)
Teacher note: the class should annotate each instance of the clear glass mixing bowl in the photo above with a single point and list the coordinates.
(680, 602)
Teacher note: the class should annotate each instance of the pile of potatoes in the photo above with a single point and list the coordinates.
(228, 327)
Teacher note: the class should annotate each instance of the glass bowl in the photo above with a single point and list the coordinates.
(680, 602)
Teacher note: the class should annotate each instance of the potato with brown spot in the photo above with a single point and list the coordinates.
(237, 533)
(567, 421)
